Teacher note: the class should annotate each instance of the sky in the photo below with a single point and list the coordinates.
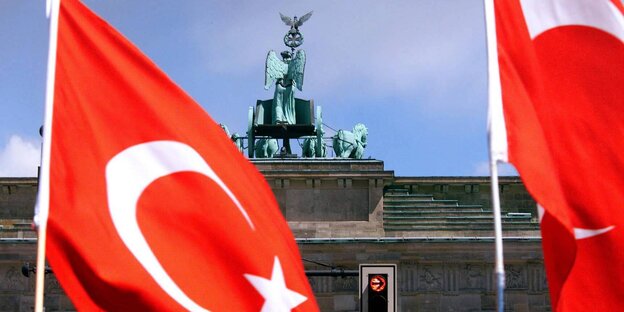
(413, 71)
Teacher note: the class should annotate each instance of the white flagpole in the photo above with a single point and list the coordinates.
(43, 198)
(497, 136)
(499, 269)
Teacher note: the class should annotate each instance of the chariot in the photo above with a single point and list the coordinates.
(307, 125)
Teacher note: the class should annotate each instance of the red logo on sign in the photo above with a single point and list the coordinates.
(377, 283)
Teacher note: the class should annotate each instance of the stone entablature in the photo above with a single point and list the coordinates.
(329, 197)
(472, 190)
(335, 208)
(434, 273)
(17, 198)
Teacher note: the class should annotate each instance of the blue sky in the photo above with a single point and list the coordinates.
(413, 71)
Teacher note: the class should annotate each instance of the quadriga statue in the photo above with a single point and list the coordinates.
(350, 144)
(238, 141)
(266, 148)
(308, 149)
(236, 138)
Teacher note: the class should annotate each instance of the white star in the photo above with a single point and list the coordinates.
(277, 296)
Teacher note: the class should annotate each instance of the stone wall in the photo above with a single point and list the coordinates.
(433, 274)
(473, 190)
(329, 197)
(17, 292)
(17, 198)
(335, 208)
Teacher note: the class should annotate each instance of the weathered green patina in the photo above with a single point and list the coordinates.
(309, 148)
(287, 73)
(238, 141)
(293, 37)
(284, 117)
(350, 144)
(236, 138)
(266, 148)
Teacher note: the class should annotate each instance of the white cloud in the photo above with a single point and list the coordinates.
(504, 169)
(378, 47)
(19, 158)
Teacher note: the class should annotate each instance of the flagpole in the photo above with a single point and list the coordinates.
(497, 138)
(499, 269)
(43, 198)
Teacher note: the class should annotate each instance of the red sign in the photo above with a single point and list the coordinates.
(377, 283)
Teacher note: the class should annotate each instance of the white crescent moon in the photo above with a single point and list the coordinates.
(128, 174)
(542, 15)
(579, 233)
(587, 233)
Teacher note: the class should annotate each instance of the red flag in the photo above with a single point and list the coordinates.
(151, 207)
(562, 79)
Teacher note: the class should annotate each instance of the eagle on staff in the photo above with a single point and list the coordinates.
(293, 37)
(294, 22)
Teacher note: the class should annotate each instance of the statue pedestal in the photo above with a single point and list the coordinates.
(328, 197)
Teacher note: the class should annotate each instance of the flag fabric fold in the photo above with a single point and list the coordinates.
(561, 74)
(151, 206)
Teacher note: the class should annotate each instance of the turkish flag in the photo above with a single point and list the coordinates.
(562, 79)
(151, 206)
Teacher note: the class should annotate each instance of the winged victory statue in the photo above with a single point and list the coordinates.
(286, 73)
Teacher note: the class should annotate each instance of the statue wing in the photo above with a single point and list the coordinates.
(287, 20)
(296, 69)
(304, 18)
(274, 69)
